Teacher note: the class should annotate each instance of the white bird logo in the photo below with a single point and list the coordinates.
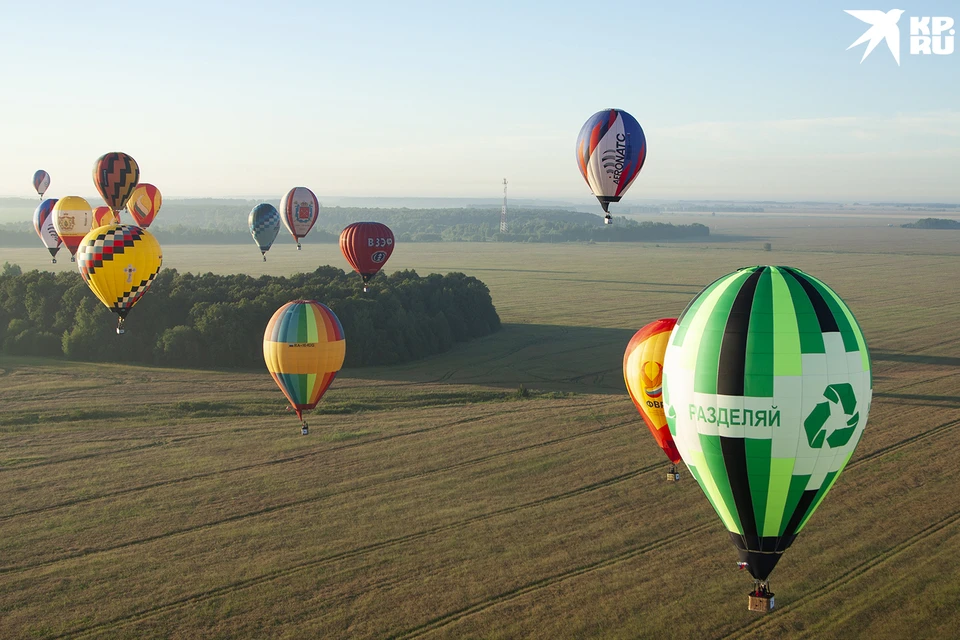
(884, 27)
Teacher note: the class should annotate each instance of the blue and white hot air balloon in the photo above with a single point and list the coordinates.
(611, 149)
(264, 223)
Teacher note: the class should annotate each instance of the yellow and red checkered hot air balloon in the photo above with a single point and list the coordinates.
(144, 204)
(119, 263)
(303, 347)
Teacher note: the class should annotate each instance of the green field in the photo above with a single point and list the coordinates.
(431, 500)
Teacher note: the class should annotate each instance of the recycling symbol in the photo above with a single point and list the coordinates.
(840, 397)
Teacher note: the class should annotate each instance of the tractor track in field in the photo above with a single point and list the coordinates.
(850, 575)
(455, 616)
(319, 498)
(506, 596)
(399, 540)
(208, 474)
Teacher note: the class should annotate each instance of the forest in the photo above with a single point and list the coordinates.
(933, 223)
(218, 321)
(225, 222)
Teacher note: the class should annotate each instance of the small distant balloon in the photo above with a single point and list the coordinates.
(104, 215)
(41, 182)
(298, 211)
(611, 150)
(367, 246)
(264, 221)
(144, 204)
(72, 219)
(116, 175)
(43, 224)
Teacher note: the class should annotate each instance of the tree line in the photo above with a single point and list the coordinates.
(933, 223)
(218, 321)
(224, 223)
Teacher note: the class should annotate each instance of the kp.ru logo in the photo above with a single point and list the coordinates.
(929, 35)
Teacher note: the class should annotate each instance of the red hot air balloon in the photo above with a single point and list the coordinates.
(367, 246)
(115, 175)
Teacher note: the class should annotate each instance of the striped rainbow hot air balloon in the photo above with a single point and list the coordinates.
(767, 388)
(303, 347)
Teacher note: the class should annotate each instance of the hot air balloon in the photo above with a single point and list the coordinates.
(299, 210)
(367, 246)
(611, 149)
(104, 215)
(767, 387)
(43, 223)
(144, 204)
(72, 219)
(115, 175)
(264, 223)
(41, 182)
(119, 263)
(304, 347)
(643, 375)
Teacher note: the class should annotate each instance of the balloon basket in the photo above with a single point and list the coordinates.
(608, 219)
(673, 475)
(298, 246)
(304, 431)
(761, 598)
(54, 261)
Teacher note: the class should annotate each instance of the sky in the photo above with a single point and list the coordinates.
(750, 100)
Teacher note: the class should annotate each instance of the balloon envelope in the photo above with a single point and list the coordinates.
(72, 219)
(104, 215)
(115, 175)
(767, 386)
(41, 181)
(303, 347)
(299, 210)
(643, 375)
(264, 221)
(119, 263)
(611, 150)
(144, 204)
(43, 224)
(367, 246)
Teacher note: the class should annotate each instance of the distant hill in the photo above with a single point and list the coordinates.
(932, 223)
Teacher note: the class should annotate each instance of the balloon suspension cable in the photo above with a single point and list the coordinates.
(761, 588)
(120, 329)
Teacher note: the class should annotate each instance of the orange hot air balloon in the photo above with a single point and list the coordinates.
(104, 215)
(144, 204)
(643, 375)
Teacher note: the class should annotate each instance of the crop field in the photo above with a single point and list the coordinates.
(434, 500)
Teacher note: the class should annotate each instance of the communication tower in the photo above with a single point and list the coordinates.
(503, 209)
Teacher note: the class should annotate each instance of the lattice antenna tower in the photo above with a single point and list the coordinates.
(503, 209)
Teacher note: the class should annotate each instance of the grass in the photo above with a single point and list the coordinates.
(439, 500)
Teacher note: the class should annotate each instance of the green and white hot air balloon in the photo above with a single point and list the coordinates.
(767, 387)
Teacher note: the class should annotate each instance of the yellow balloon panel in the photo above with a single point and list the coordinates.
(119, 263)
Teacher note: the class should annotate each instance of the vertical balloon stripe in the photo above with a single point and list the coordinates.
(811, 336)
(824, 317)
(757, 452)
(715, 468)
(858, 331)
(713, 323)
(732, 360)
(803, 506)
(759, 368)
(787, 358)
(850, 342)
(735, 464)
(781, 476)
(789, 521)
(701, 469)
(680, 331)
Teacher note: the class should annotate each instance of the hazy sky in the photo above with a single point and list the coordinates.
(738, 100)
